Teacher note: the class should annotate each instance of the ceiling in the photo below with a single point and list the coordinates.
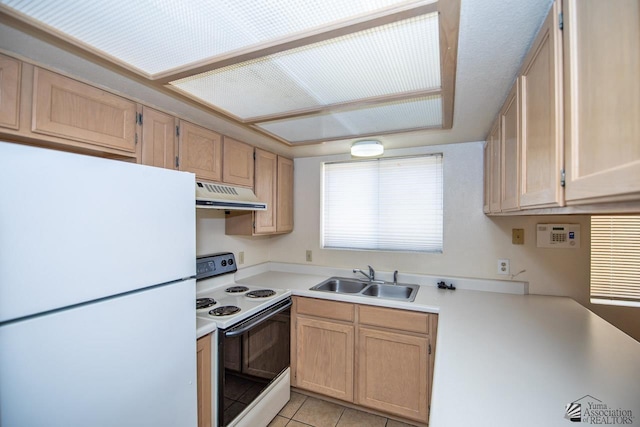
(493, 39)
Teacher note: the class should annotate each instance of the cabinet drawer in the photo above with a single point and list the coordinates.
(327, 309)
(410, 321)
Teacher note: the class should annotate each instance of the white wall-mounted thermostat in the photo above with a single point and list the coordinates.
(558, 235)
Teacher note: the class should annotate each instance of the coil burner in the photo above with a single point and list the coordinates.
(204, 303)
(226, 310)
(261, 293)
(236, 289)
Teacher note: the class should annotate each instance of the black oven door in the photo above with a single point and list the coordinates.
(251, 354)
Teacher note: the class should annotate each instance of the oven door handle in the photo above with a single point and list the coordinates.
(264, 316)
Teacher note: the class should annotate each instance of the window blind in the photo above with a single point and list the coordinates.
(387, 204)
(615, 260)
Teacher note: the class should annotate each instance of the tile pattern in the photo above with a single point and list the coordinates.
(304, 411)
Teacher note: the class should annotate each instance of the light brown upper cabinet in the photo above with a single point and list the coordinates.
(237, 163)
(494, 173)
(602, 100)
(284, 205)
(274, 186)
(200, 152)
(69, 109)
(158, 145)
(541, 117)
(487, 177)
(9, 92)
(266, 190)
(510, 154)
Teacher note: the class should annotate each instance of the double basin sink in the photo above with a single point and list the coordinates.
(375, 289)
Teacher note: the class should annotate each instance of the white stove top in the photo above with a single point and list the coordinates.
(248, 306)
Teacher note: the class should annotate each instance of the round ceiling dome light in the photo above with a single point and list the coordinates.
(367, 148)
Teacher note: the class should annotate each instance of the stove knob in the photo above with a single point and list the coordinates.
(231, 261)
(224, 263)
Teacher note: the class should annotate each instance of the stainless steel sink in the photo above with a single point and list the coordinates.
(403, 292)
(341, 285)
(344, 285)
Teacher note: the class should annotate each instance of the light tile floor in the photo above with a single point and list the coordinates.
(304, 411)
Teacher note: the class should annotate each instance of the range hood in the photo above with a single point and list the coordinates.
(226, 197)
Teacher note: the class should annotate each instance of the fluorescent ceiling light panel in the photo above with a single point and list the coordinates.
(419, 113)
(390, 59)
(158, 35)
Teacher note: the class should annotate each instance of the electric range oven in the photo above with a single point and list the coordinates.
(253, 354)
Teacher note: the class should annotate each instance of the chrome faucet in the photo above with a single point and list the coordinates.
(395, 277)
(371, 276)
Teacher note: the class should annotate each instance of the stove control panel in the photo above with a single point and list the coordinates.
(215, 265)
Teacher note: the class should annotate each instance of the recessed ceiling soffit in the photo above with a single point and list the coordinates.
(300, 71)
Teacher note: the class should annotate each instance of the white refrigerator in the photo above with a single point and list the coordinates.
(97, 291)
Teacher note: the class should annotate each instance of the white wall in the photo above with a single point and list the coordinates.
(210, 238)
(472, 241)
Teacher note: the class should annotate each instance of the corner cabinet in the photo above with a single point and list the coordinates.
(602, 100)
(393, 361)
(284, 202)
(273, 185)
(375, 357)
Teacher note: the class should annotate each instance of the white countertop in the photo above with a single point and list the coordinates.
(505, 360)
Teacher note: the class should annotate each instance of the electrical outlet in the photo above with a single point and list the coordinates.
(309, 256)
(503, 266)
(517, 236)
(240, 257)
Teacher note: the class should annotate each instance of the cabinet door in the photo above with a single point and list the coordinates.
(487, 177)
(200, 152)
(602, 100)
(9, 92)
(237, 163)
(284, 208)
(324, 357)
(541, 101)
(203, 357)
(510, 176)
(158, 145)
(73, 110)
(393, 372)
(265, 188)
(494, 142)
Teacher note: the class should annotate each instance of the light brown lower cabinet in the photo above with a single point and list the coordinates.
(375, 357)
(203, 358)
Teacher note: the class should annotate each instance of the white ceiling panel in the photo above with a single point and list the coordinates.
(158, 35)
(406, 58)
(421, 112)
